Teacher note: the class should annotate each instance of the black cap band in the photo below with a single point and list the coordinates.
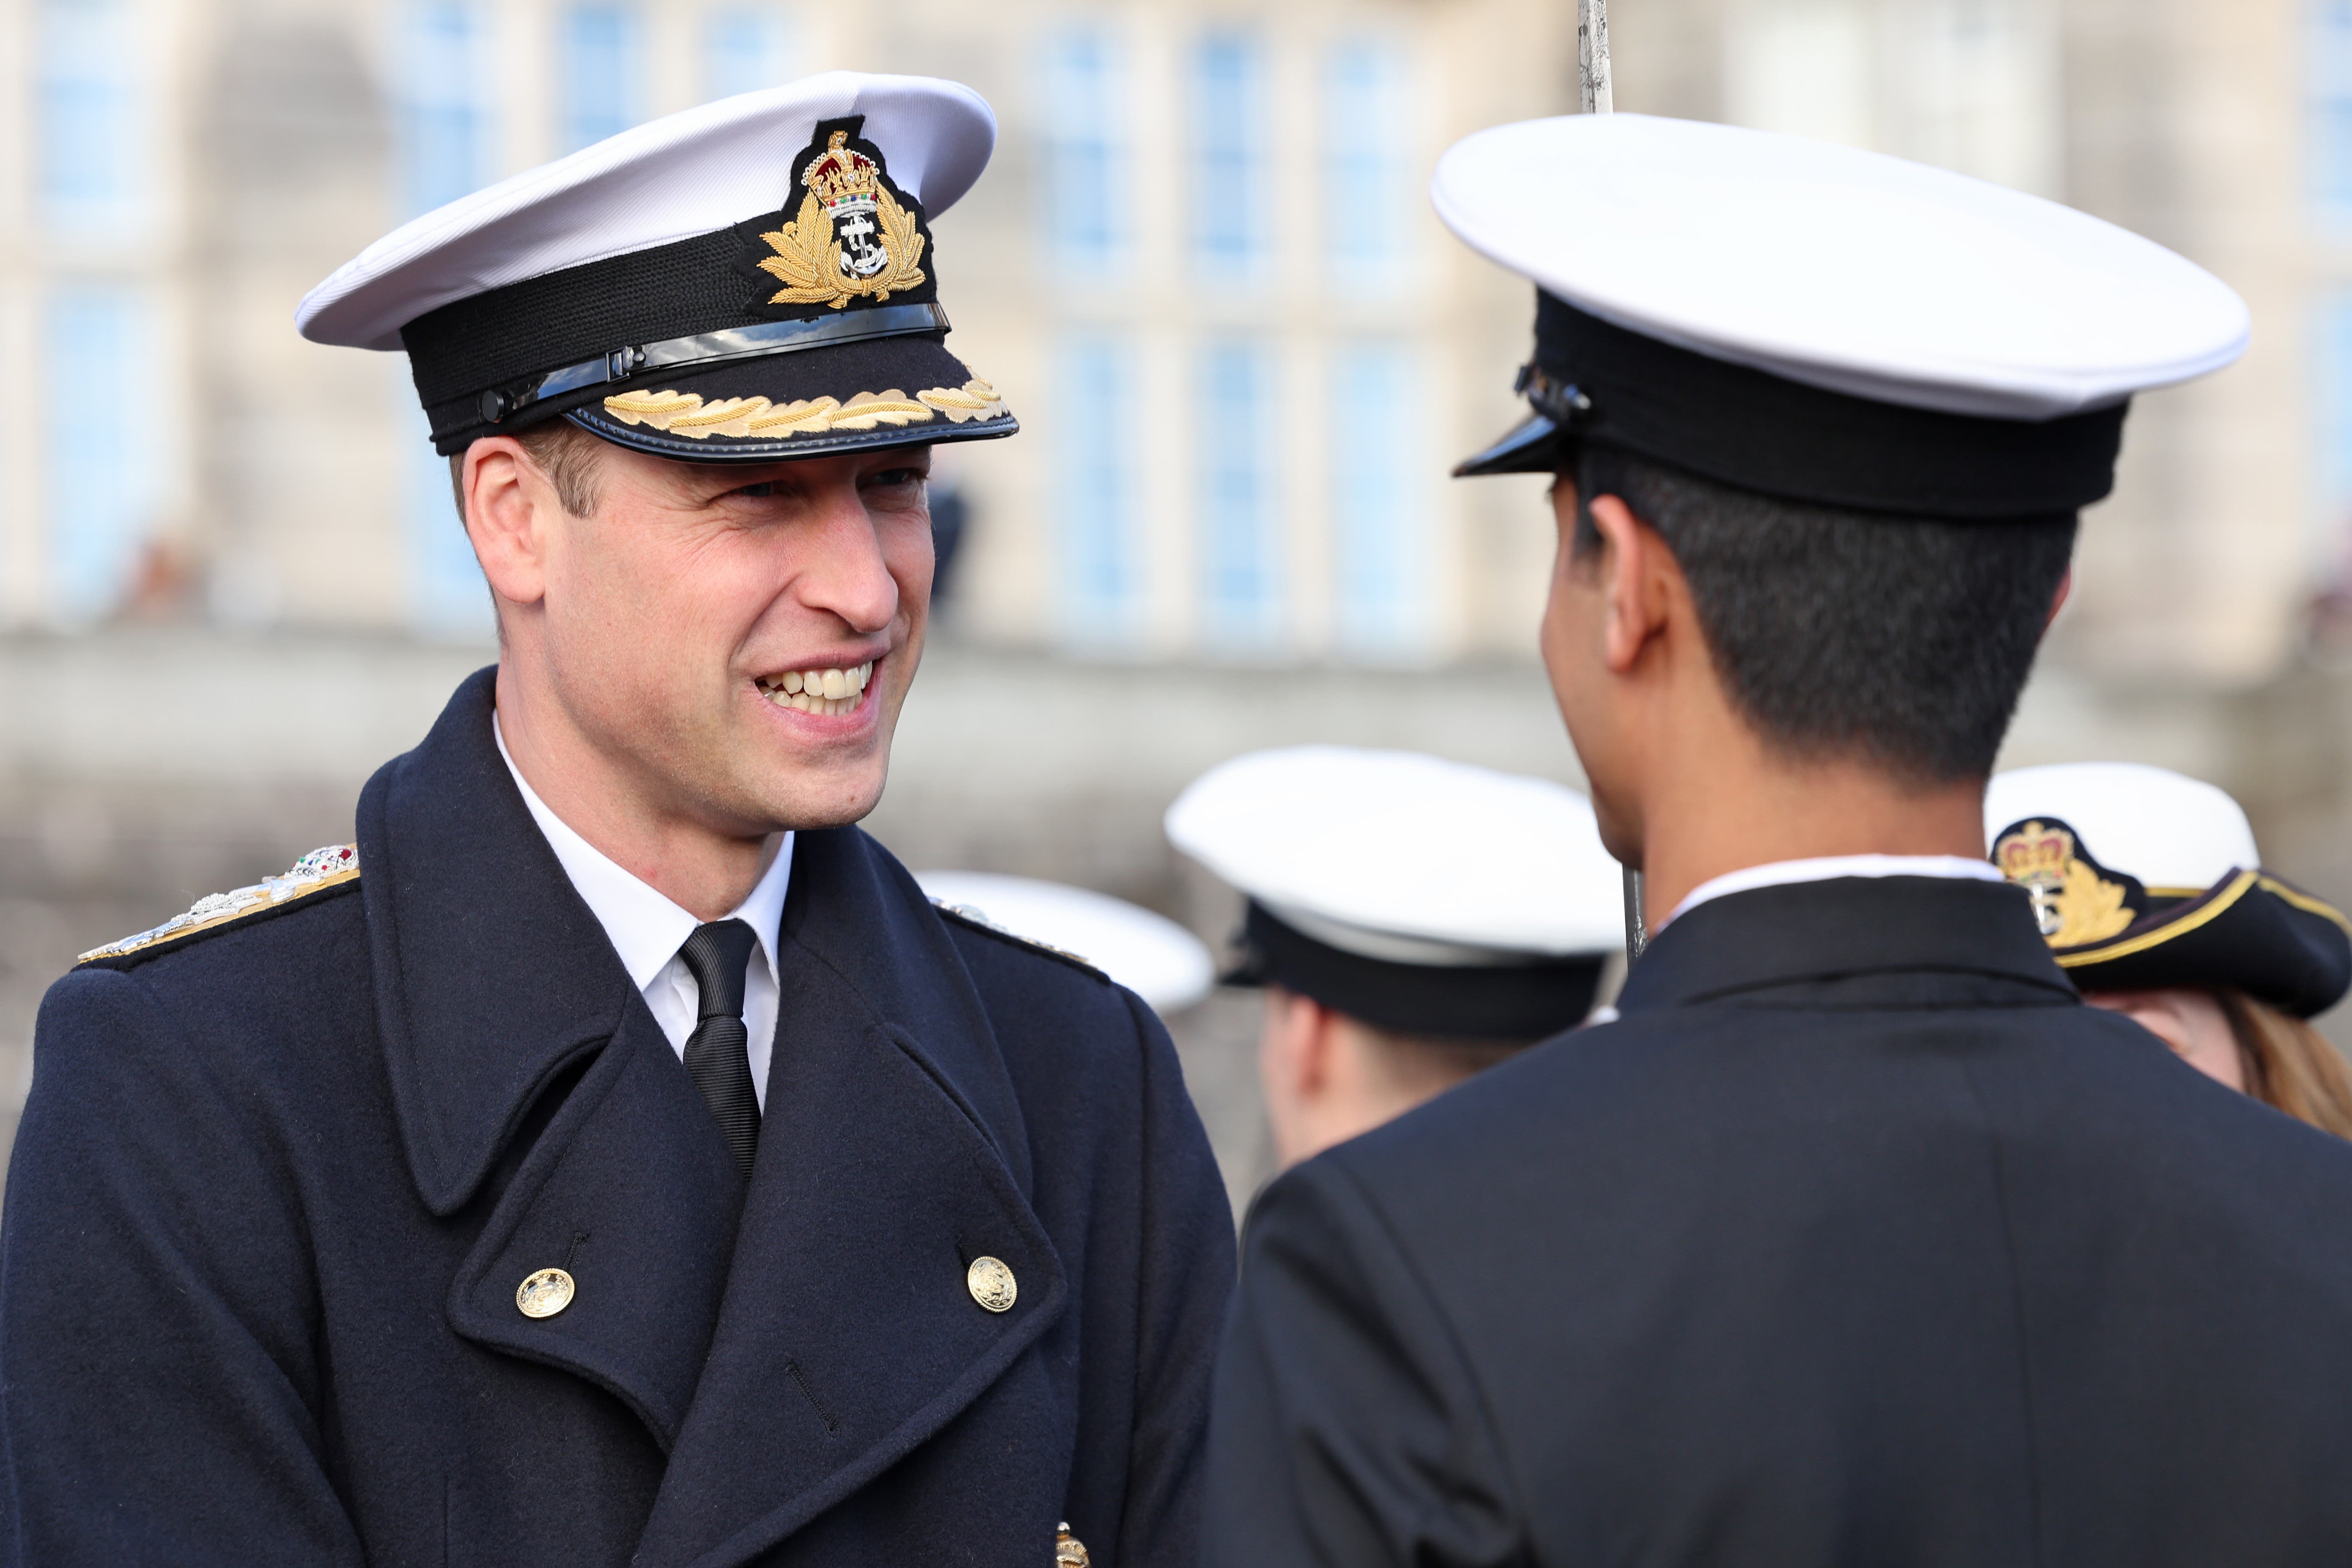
(1598, 383)
(1522, 1002)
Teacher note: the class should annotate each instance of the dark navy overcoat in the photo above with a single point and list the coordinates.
(1859, 1242)
(277, 1184)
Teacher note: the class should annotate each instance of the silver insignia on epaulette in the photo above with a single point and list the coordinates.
(319, 869)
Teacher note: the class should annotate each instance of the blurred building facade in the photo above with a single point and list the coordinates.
(1202, 267)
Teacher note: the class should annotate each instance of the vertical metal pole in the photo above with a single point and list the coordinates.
(1592, 92)
(1594, 96)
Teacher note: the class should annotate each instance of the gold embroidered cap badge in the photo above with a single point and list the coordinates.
(852, 237)
(2075, 898)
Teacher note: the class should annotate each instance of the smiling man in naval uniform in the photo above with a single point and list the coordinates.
(612, 1158)
(1858, 1238)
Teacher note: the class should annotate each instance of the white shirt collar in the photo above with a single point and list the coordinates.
(645, 928)
(1957, 867)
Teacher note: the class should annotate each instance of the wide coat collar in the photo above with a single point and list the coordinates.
(786, 1339)
(1852, 941)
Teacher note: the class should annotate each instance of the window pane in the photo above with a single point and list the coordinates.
(1229, 154)
(444, 119)
(597, 60)
(99, 474)
(92, 116)
(1379, 509)
(1368, 184)
(1101, 583)
(447, 597)
(2329, 62)
(1086, 166)
(744, 48)
(1240, 546)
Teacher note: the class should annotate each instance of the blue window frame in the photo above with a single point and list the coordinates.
(1380, 533)
(745, 48)
(2329, 60)
(1368, 186)
(1101, 579)
(1240, 544)
(1229, 175)
(98, 475)
(444, 114)
(448, 597)
(91, 133)
(598, 60)
(1087, 159)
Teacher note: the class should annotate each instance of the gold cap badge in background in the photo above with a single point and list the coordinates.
(2075, 898)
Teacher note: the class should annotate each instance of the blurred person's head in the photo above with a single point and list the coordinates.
(689, 431)
(2151, 893)
(1815, 493)
(1328, 1077)
(1412, 920)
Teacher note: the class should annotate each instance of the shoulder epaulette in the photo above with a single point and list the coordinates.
(965, 915)
(314, 873)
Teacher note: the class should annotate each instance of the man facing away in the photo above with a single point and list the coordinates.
(1395, 966)
(612, 1158)
(1858, 1238)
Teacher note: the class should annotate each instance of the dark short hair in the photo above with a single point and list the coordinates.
(1905, 641)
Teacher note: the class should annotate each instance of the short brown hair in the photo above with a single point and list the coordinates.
(565, 453)
(1427, 1064)
(2288, 1065)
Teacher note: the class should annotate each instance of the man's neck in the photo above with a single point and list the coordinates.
(1701, 824)
(705, 872)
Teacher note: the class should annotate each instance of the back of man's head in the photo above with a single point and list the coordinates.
(1838, 635)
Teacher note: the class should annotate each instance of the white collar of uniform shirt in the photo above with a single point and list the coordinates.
(1822, 869)
(1779, 873)
(646, 929)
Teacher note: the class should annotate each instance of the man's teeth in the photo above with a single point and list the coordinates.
(819, 690)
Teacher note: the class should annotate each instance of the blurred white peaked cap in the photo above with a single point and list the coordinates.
(1398, 856)
(670, 179)
(1152, 956)
(1843, 269)
(2176, 835)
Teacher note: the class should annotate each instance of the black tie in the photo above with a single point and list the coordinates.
(718, 1055)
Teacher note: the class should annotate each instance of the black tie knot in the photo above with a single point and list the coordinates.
(717, 955)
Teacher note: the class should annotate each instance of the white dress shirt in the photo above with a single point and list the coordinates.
(646, 929)
(1778, 873)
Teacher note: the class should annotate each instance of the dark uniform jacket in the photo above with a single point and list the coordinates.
(1860, 1240)
(276, 1185)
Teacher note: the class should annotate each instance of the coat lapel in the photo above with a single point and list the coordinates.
(530, 1080)
(892, 1156)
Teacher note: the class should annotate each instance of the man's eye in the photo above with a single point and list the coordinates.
(758, 491)
(892, 477)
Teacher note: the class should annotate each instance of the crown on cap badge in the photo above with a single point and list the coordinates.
(2075, 898)
(852, 237)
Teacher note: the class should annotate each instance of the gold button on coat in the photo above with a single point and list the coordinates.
(991, 1283)
(548, 1291)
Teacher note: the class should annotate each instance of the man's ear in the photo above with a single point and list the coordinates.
(1641, 580)
(511, 507)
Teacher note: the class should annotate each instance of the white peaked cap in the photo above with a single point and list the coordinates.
(1843, 269)
(684, 174)
(1152, 956)
(1398, 856)
(2175, 834)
